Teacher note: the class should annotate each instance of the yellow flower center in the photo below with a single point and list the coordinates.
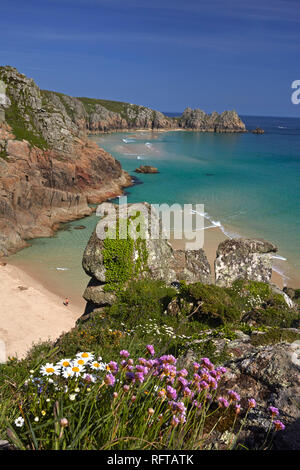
(96, 364)
(75, 369)
(50, 370)
(85, 355)
(80, 362)
(65, 363)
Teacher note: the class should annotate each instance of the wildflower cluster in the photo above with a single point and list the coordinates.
(147, 399)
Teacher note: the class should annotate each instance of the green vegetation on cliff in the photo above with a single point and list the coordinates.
(24, 129)
(140, 316)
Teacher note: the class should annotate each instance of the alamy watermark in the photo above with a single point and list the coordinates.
(152, 221)
(296, 94)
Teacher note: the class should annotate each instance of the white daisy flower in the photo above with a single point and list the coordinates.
(75, 370)
(19, 422)
(79, 362)
(36, 419)
(86, 356)
(98, 365)
(49, 369)
(66, 373)
(72, 396)
(64, 363)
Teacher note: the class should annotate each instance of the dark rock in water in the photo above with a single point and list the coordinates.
(243, 258)
(135, 180)
(146, 169)
(209, 174)
(79, 227)
(258, 130)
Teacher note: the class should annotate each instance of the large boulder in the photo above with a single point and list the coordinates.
(153, 258)
(243, 258)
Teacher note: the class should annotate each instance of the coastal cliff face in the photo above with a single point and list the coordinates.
(56, 118)
(49, 171)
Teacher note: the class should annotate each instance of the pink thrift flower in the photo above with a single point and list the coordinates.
(237, 409)
(251, 403)
(182, 373)
(171, 393)
(274, 411)
(223, 403)
(233, 395)
(124, 353)
(150, 349)
(174, 421)
(279, 426)
(109, 380)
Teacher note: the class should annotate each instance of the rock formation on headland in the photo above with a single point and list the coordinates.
(49, 171)
(196, 119)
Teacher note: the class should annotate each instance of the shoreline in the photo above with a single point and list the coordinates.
(32, 313)
(38, 311)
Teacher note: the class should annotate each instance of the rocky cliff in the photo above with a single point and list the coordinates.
(196, 119)
(49, 171)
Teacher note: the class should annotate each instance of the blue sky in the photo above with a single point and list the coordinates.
(166, 54)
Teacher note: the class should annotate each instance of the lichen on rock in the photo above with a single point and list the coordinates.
(243, 258)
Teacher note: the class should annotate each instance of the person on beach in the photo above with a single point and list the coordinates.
(66, 302)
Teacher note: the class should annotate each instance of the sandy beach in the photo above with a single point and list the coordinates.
(32, 312)
(29, 312)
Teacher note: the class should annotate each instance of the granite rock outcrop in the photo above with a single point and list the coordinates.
(243, 258)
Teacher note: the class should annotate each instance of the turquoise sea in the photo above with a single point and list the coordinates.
(249, 185)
